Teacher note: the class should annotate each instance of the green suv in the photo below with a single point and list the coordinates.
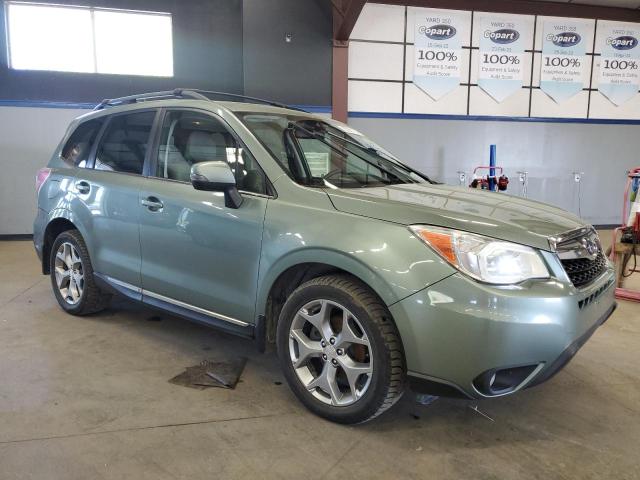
(289, 228)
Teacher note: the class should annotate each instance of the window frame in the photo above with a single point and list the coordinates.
(92, 10)
(152, 164)
(150, 141)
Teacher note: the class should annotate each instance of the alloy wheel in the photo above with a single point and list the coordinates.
(330, 352)
(69, 273)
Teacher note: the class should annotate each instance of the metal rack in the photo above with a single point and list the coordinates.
(187, 93)
(621, 252)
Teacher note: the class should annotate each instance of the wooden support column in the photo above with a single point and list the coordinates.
(345, 15)
(339, 82)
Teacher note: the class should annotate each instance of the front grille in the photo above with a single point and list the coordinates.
(581, 255)
(582, 271)
(585, 302)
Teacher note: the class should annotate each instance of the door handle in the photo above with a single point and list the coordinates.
(153, 204)
(83, 187)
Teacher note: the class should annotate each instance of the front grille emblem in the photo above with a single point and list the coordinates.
(591, 246)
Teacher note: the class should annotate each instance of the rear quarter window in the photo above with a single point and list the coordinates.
(75, 152)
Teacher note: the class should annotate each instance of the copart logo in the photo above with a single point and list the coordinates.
(565, 39)
(502, 36)
(626, 42)
(438, 32)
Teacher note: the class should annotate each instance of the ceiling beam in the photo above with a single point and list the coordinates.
(528, 7)
(345, 15)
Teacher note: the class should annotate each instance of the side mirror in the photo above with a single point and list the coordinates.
(216, 177)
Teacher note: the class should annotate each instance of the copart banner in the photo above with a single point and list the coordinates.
(563, 58)
(619, 61)
(502, 45)
(437, 51)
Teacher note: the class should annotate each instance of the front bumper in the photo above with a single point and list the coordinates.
(458, 334)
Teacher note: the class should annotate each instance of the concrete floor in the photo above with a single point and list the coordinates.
(89, 398)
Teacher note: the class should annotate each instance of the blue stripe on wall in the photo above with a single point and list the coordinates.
(488, 118)
(45, 104)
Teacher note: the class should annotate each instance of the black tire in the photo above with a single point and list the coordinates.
(92, 299)
(388, 377)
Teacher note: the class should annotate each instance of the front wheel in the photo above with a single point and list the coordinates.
(340, 351)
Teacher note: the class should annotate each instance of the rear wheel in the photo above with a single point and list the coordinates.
(339, 350)
(72, 276)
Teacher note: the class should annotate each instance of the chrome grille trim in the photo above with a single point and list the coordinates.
(582, 243)
(580, 254)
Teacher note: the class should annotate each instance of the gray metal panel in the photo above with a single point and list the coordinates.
(29, 137)
(298, 72)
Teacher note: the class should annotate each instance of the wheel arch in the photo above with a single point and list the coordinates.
(59, 221)
(295, 269)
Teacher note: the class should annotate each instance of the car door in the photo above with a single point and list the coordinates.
(196, 252)
(107, 196)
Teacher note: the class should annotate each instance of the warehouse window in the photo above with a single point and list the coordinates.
(90, 40)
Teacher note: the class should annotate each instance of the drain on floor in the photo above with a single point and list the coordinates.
(211, 373)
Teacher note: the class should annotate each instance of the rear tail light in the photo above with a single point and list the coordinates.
(41, 177)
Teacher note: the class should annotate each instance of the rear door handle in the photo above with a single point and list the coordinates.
(83, 187)
(153, 204)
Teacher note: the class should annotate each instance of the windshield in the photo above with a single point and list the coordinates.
(327, 153)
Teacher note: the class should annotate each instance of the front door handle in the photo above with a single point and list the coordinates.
(153, 204)
(83, 187)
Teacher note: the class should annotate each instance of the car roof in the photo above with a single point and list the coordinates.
(211, 105)
(260, 108)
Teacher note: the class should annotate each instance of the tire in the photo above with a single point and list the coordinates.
(300, 341)
(74, 257)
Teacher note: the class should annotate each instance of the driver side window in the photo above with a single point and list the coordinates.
(189, 137)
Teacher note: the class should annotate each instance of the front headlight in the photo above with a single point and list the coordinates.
(483, 258)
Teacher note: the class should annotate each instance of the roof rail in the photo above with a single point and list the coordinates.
(191, 93)
(145, 97)
(246, 97)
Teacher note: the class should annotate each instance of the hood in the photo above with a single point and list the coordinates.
(496, 215)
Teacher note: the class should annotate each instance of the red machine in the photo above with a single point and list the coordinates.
(491, 181)
(626, 238)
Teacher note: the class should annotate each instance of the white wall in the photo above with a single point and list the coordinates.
(29, 137)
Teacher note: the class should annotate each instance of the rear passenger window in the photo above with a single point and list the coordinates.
(76, 151)
(124, 143)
